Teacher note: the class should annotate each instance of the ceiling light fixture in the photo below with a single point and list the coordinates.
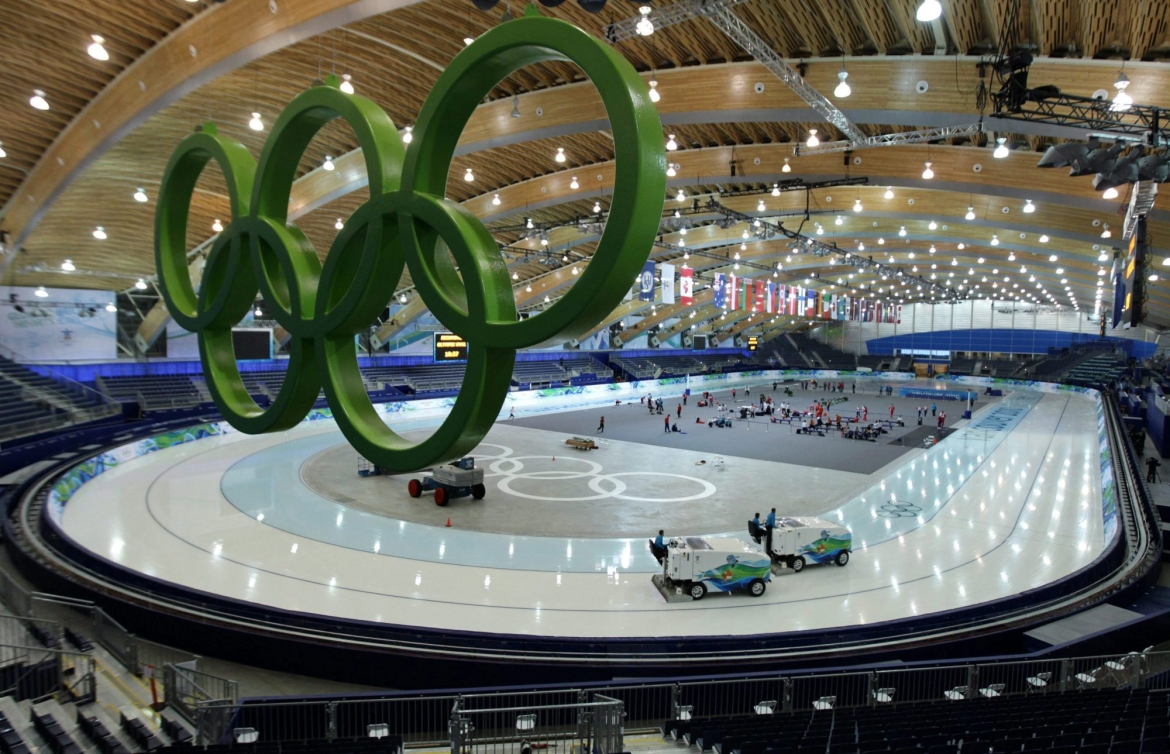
(339, 224)
(41, 292)
(99, 233)
(994, 240)
(596, 208)
(1110, 193)
(1106, 233)
(346, 83)
(786, 169)
(1043, 238)
(467, 41)
(1122, 101)
(96, 50)
(928, 11)
(932, 225)
(812, 138)
(111, 308)
(573, 184)
(67, 265)
(328, 165)
(140, 195)
(671, 144)
(671, 172)
(140, 285)
(928, 173)
(761, 207)
(838, 221)
(889, 192)
(645, 26)
(902, 231)
(408, 134)
(654, 95)
(216, 225)
(1029, 207)
(495, 200)
(842, 89)
(38, 100)
(970, 213)
(560, 154)
(857, 204)
(3, 154)
(1001, 149)
(256, 124)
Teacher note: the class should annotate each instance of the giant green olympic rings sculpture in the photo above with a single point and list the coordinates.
(324, 306)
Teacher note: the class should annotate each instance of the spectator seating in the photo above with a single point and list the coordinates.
(781, 349)
(830, 357)
(95, 730)
(77, 640)
(139, 732)
(47, 727)
(154, 391)
(1000, 367)
(175, 730)
(876, 363)
(962, 366)
(28, 399)
(1102, 368)
(10, 740)
(1085, 722)
(383, 745)
(538, 373)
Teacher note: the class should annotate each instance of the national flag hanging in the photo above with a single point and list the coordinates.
(792, 299)
(686, 286)
(733, 293)
(747, 300)
(833, 307)
(760, 306)
(667, 270)
(769, 291)
(646, 280)
(810, 308)
(720, 291)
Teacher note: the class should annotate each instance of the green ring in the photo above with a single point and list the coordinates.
(323, 306)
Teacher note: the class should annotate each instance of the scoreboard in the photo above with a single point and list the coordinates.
(1133, 278)
(450, 347)
(753, 343)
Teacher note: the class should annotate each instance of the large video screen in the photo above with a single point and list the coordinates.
(252, 344)
(1133, 272)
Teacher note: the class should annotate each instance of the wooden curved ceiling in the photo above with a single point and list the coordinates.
(709, 103)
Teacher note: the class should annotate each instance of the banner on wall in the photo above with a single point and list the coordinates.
(66, 324)
(720, 291)
(686, 286)
(646, 291)
(667, 282)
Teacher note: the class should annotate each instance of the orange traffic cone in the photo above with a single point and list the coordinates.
(448, 522)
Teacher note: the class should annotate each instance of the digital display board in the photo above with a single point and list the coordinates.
(753, 342)
(450, 347)
(1133, 272)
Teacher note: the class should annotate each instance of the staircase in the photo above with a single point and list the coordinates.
(809, 362)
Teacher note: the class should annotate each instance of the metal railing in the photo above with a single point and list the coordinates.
(431, 720)
(186, 690)
(88, 618)
(36, 672)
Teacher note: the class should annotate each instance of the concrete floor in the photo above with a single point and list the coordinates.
(757, 438)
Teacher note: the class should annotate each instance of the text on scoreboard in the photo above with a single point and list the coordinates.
(450, 347)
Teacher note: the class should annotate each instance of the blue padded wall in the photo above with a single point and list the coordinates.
(998, 341)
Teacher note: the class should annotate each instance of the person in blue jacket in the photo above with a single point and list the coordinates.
(658, 547)
(770, 524)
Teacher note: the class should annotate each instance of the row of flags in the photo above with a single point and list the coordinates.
(765, 297)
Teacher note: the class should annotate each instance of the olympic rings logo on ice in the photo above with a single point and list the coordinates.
(898, 509)
(511, 468)
(406, 224)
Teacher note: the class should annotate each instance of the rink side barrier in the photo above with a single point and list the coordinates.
(267, 635)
